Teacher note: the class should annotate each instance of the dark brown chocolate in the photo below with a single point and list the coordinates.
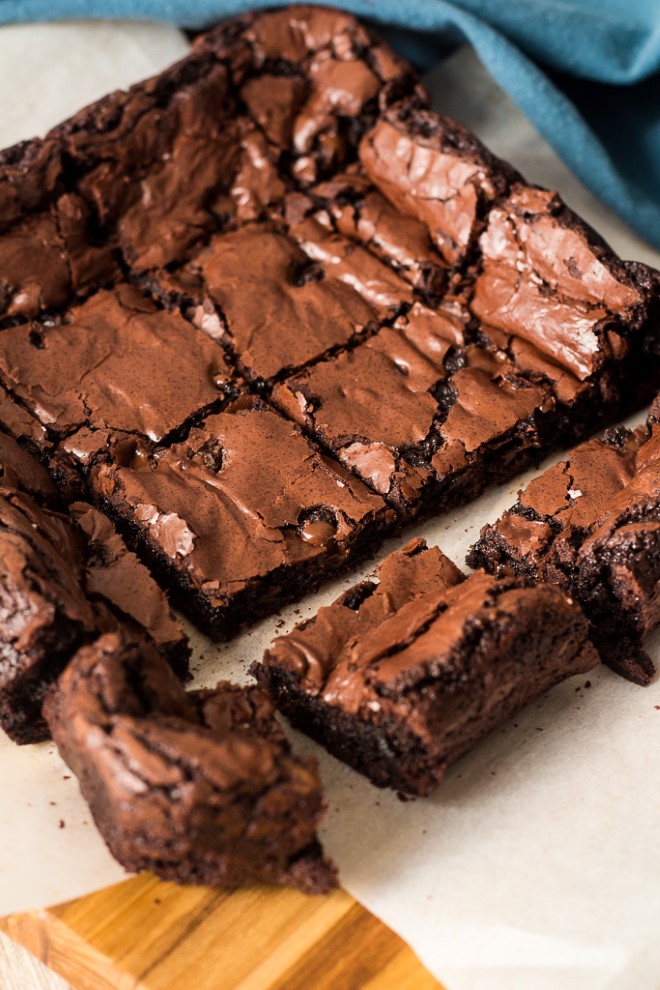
(197, 788)
(591, 524)
(242, 515)
(115, 363)
(402, 676)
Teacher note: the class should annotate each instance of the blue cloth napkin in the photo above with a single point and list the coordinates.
(585, 72)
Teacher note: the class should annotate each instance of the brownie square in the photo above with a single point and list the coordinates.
(456, 415)
(243, 515)
(427, 665)
(547, 281)
(431, 168)
(351, 204)
(279, 299)
(116, 363)
(591, 523)
(197, 788)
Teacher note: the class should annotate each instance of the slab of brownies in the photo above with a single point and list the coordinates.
(257, 313)
(211, 282)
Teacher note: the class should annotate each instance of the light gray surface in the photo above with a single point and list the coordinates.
(21, 971)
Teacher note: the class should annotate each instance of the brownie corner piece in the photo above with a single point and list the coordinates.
(433, 169)
(571, 311)
(401, 698)
(591, 523)
(197, 788)
(283, 515)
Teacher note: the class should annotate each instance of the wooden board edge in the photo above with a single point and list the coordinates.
(143, 934)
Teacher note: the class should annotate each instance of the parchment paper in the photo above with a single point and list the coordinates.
(536, 866)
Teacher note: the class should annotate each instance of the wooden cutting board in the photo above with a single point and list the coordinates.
(147, 935)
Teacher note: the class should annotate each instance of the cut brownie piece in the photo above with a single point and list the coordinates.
(350, 203)
(591, 523)
(197, 788)
(553, 294)
(242, 516)
(117, 363)
(115, 576)
(279, 300)
(433, 169)
(44, 612)
(63, 579)
(427, 664)
(455, 417)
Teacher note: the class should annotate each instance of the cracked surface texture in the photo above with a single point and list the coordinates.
(428, 663)
(591, 524)
(304, 509)
(63, 579)
(116, 364)
(198, 787)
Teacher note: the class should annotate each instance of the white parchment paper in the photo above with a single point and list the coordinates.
(536, 866)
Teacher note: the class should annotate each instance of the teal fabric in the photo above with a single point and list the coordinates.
(585, 72)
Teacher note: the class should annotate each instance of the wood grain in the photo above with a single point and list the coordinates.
(147, 935)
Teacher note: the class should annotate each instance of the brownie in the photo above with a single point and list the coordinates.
(115, 576)
(591, 524)
(113, 363)
(352, 205)
(552, 292)
(431, 168)
(243, 515)
(403, 675)
(278, 299)
(456, 417)
(280, 214)
(197, 788)
(142, 177)
(64, 578)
